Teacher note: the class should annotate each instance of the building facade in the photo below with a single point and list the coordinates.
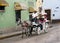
(9, 10)
(38, 4)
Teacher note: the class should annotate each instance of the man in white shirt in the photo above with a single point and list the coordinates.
(34, 14)
(34, 19)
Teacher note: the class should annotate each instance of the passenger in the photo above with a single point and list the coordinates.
(34, 19)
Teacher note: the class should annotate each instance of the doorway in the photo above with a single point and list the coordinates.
(18, 15)
(30, 16)
(48, 11)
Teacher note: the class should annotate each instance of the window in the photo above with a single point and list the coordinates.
(42, 1)
(2, 8)
(31, 3)
(40, 9)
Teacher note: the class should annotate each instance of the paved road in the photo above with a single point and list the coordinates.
(53, 36)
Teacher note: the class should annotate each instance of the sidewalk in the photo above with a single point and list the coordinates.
(13, 34)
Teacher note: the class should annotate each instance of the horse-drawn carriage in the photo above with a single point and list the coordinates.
(35, 26)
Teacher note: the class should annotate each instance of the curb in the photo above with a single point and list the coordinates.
(10, 35)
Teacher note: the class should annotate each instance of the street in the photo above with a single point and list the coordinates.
(29, 21)
(52, 36)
